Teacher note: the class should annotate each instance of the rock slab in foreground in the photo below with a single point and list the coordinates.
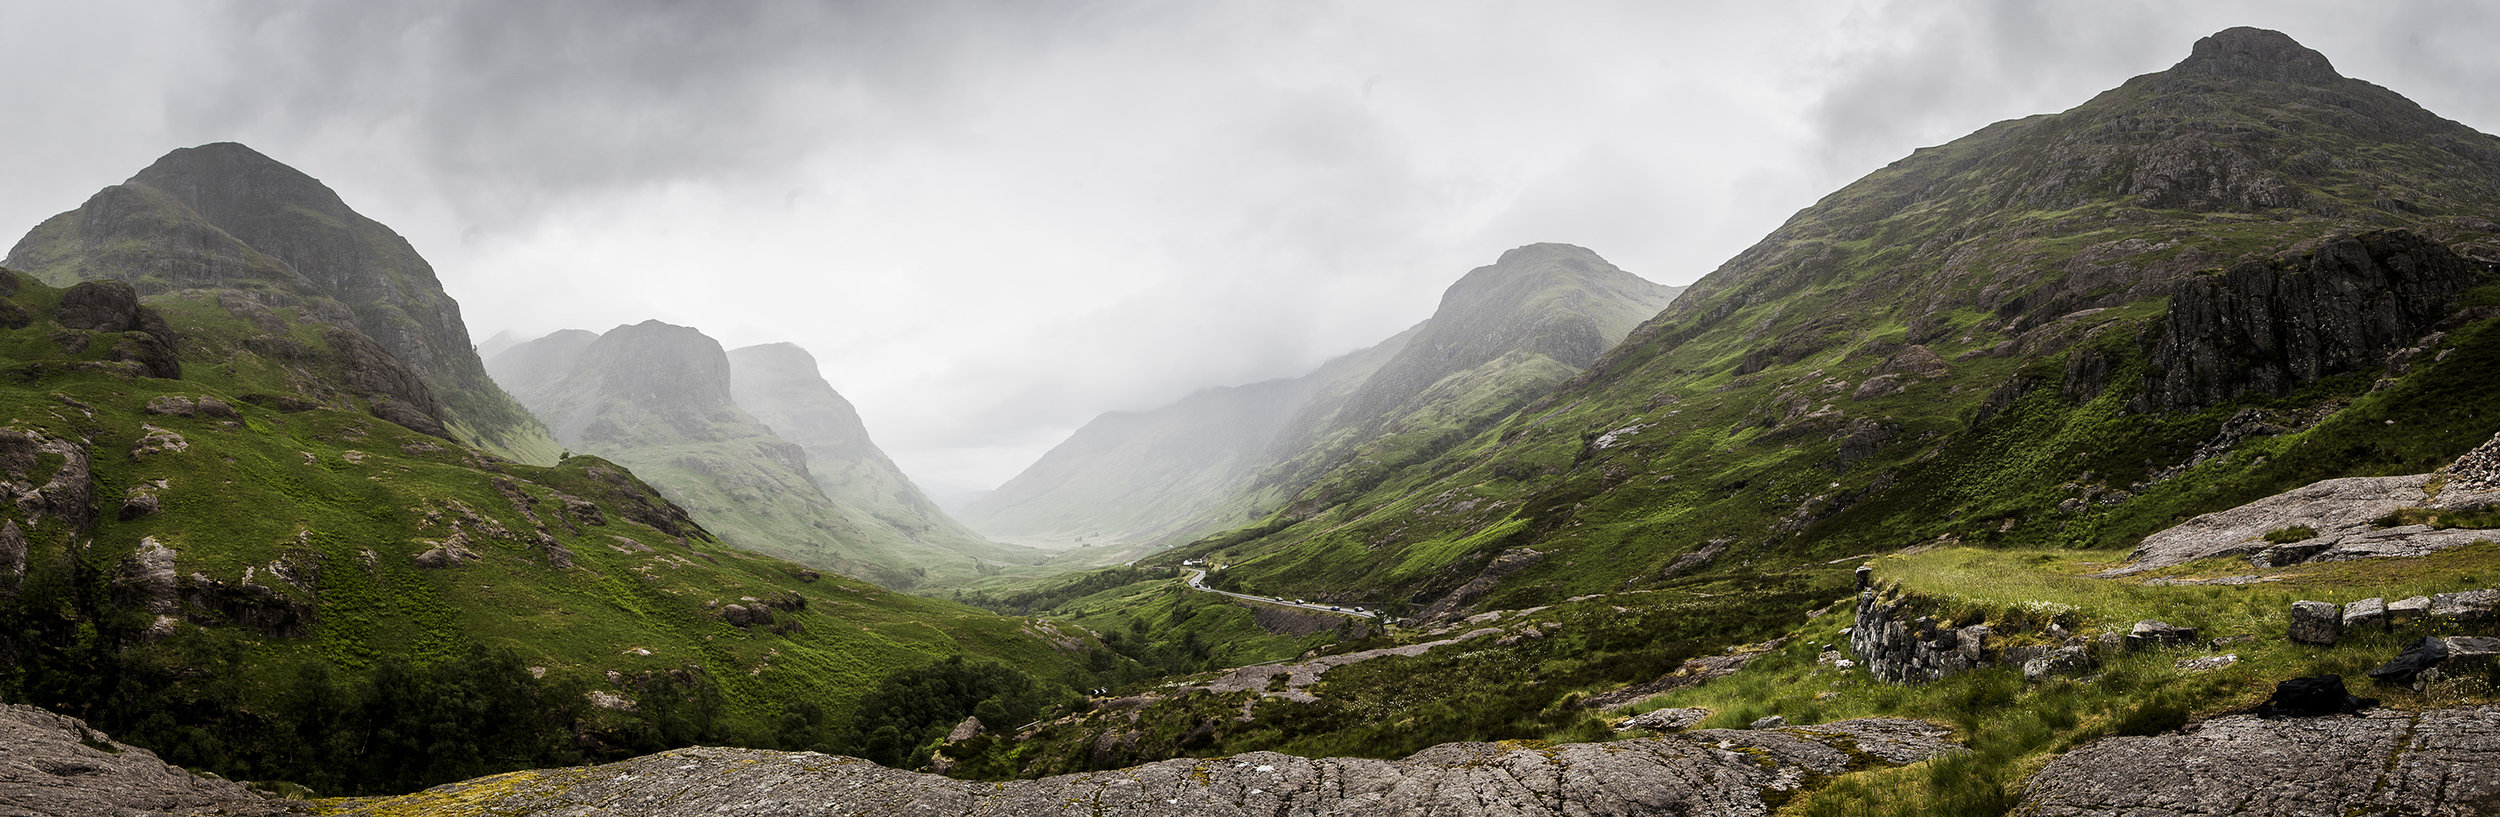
(52, 765)
(1708, 772)
(2436, 763)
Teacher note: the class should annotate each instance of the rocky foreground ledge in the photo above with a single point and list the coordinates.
(1731, 772)
(2439, 763)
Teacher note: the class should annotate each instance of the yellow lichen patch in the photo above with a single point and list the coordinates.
(470, 799)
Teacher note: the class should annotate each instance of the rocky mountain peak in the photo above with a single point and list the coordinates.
(2257, 53)
(227, 182)
(662, 365)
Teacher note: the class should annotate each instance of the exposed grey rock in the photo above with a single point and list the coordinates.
(2251, 328)
(2063, 661)
(2383, 762)
(2150, 634)
(1769, 722)
(157, 441)
(2478, 470)
(147, 580)
(1710, 772)
(2344, 512)
(54, 765)
(12, 555)
(2407, 611)
(1664, 720)
(2471, 605)
(2366, 614)
(2210, 662)
(2316, 622)
(970, 728)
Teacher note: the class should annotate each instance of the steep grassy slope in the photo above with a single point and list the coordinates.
(224, 218)
(1504, 334)
(2069, 329)
(659, 398)
(202, 562)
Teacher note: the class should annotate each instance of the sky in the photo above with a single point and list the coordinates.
(992, 221)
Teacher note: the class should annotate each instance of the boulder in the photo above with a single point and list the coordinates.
(970, 728)
(2316, 622)
(2366, 614)
(1664, 720)
(2063, 661)
(99, 306)
(2408, 611)
(1769, 722)
(2150, 634)
(56, 765)
(2471, 605)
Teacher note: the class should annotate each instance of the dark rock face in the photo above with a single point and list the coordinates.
(2428, 763)
(103, 306)
(1717, 771)
(53, 765)
(112, 306)
(2269, 326)
(2256, 53)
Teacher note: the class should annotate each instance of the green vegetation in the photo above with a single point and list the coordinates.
(296, 530)
(1527, 688)
(2013, 727)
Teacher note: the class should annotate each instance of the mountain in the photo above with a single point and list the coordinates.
(223, 218)
(781, 386)
(1503, 335)
(2205, 286)
(256, 582)
(660, 399)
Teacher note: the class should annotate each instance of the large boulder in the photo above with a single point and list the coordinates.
(2382, 762)
(2316, 622)
(55, 765)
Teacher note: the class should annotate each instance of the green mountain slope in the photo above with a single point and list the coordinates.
(224, 218)
(2069, 329)
(257, 583)
(779, 384)
(1504, 334)
(659, 399)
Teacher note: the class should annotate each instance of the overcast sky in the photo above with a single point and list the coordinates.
(991, 221)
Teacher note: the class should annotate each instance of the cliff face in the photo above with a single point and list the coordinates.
(2267, 326)
(665, 400)
(225, 220)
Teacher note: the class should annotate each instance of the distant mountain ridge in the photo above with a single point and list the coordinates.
(222, 217)
(669, 402)
(2066, 329)
(1228, 456)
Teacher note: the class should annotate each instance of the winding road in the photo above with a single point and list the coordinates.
(1198, 582)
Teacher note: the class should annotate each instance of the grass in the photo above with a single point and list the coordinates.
(2013, 727)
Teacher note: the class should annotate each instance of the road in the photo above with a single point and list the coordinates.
(1198, 581)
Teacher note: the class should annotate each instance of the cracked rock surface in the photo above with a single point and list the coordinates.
(1713, 772)
(52, 765)
(2343, 512)
(2437, 763)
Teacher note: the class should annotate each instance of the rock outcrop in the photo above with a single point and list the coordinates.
(2267, 326)
(2330, 520)
(2440, 762)
(1718, 771)
(53, 765)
